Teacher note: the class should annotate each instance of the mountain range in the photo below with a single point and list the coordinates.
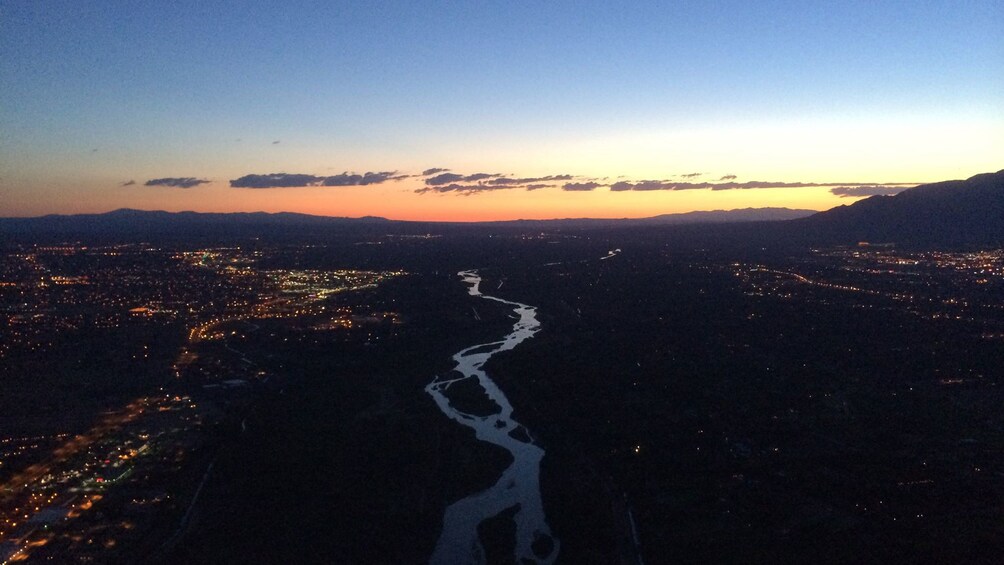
(957, 212)
(950, 213)
(140, 222)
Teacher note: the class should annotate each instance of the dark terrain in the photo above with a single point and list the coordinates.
(742, 393)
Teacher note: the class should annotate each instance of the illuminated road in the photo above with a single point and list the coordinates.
(519, 485)
(847, 288)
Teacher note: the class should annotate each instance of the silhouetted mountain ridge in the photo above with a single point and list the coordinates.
(957, 212)
(127, 214)
(126, 224)
(944, 214)
(128, 220)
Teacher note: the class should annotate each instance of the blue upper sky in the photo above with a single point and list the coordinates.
(208, 87)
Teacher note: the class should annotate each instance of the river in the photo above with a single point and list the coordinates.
(519, 484)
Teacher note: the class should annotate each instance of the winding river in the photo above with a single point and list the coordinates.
(519, 485)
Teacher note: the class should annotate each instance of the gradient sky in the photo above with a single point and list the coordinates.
(99, 98)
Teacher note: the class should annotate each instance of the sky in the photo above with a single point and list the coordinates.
(531, 109)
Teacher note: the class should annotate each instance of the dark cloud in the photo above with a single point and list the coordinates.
(484, 182)
(859, 191)
(444, 178)
(344, 179)
(179, 182)
(441, 180)
(479, 176)
(447, 178)
(275, 180)
(352, 179)
(508, 181)
(581, 186)
(128, 183)
(276, 142)
(288, 180)
(465, 189)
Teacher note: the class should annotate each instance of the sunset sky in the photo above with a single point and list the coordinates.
(478, 110)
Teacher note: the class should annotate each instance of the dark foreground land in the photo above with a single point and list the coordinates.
(734, 404)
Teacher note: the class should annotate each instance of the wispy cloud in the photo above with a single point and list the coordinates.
(178, 182)
(433, 171)
(508, 181)
(485, 182)
(728, 177)
(692, 175)
(647, 185)
(465, 189)
(129, 182)
(674, 185)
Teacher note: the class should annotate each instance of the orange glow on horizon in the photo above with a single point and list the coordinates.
(398, 201)
(887, 150)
